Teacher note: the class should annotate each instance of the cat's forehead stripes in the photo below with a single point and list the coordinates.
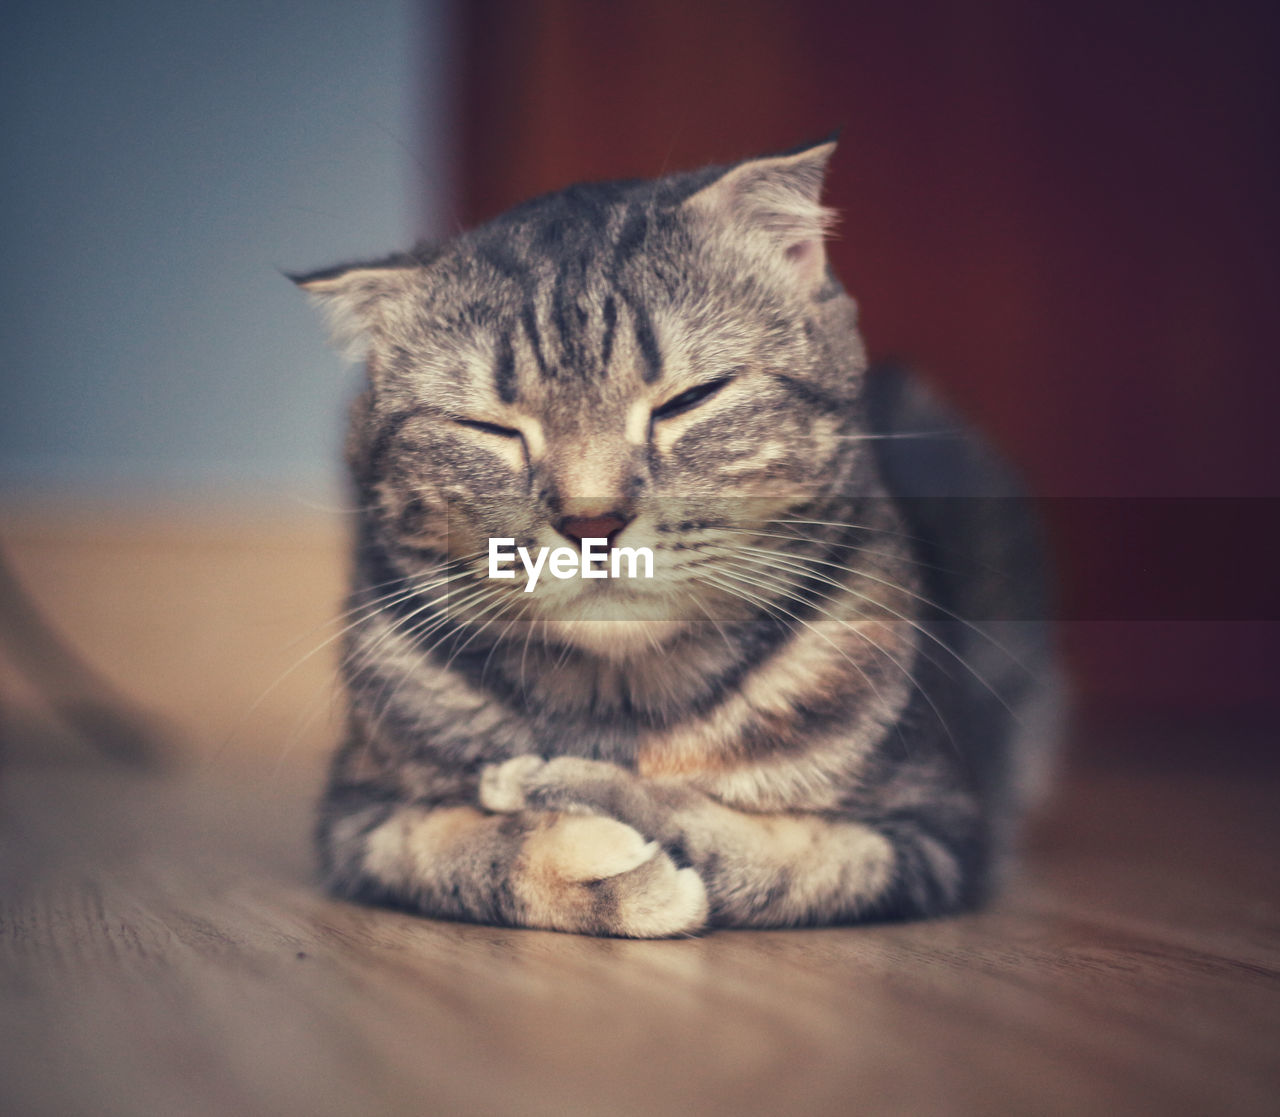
(504, 370)
(610, 316)
(558, 337)
(647, 344)
(631, 236)
(558, 283)
(529, 324)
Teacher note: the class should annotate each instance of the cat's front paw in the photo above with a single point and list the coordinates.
(580, 849)
(598, 875)
(502, 786)
(564, 783)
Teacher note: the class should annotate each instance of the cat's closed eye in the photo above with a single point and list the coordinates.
(489, 428)
(690, 398)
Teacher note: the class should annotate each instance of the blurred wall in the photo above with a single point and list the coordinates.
(1065, 213)
(162, 159)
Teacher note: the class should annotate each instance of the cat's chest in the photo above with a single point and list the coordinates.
(615, 735)
(737, 753)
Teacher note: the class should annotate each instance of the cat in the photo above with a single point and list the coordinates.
(786, 725)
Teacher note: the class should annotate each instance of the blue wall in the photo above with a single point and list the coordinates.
(161, 162)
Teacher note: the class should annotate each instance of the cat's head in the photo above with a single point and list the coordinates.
(662, 363)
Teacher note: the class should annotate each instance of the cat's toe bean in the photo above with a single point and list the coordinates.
(502, 786)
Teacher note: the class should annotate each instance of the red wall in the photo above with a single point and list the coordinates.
(1064, 213)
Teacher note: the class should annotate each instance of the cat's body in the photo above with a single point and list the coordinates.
(780, 728)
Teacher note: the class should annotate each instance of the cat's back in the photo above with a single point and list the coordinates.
(978, 538)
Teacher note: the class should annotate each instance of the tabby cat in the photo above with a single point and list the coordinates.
(799, 718)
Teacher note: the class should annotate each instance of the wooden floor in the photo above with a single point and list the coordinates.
(164, 949)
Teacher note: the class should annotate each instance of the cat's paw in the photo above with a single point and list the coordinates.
(598, 875)
(582, 848)
(564, 783)
(668, 903)
(502, 786)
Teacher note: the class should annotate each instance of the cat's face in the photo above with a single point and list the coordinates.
(652, 364)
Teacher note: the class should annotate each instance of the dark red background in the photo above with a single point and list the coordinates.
(1065, 214)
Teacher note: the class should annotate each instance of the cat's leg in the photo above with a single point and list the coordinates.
(765, 869)
(566, 872)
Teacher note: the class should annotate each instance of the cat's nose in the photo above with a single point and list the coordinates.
(606, 526)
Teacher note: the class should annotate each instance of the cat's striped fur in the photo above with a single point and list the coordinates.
(771, 732)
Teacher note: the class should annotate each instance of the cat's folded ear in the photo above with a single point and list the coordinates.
(775, 200)
(357, 299)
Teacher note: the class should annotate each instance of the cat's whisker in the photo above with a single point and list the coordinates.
(423, 606)
(406, 586)
(368, 610)
(432, 620)
(769, 557)
(370, 606)
(857, 631)
(360, 657)
(786, 590)
(565, 651)
(524, 656)
(772, 606)
(897, 434)
(499, 601)
(417, 634)
(924, 600)
(871, 529)
(733, 652)
(365, 610)
(456, 617)
(520, 615)
(301, 726)
(879, 530)
(858, 548)
(332, 509)
(373, 606)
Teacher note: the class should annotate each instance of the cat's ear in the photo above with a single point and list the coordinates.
(356, 298)
(776, 198)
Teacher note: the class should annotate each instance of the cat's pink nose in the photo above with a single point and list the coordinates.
(579, 528)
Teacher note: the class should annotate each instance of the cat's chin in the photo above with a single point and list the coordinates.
(616, 639)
